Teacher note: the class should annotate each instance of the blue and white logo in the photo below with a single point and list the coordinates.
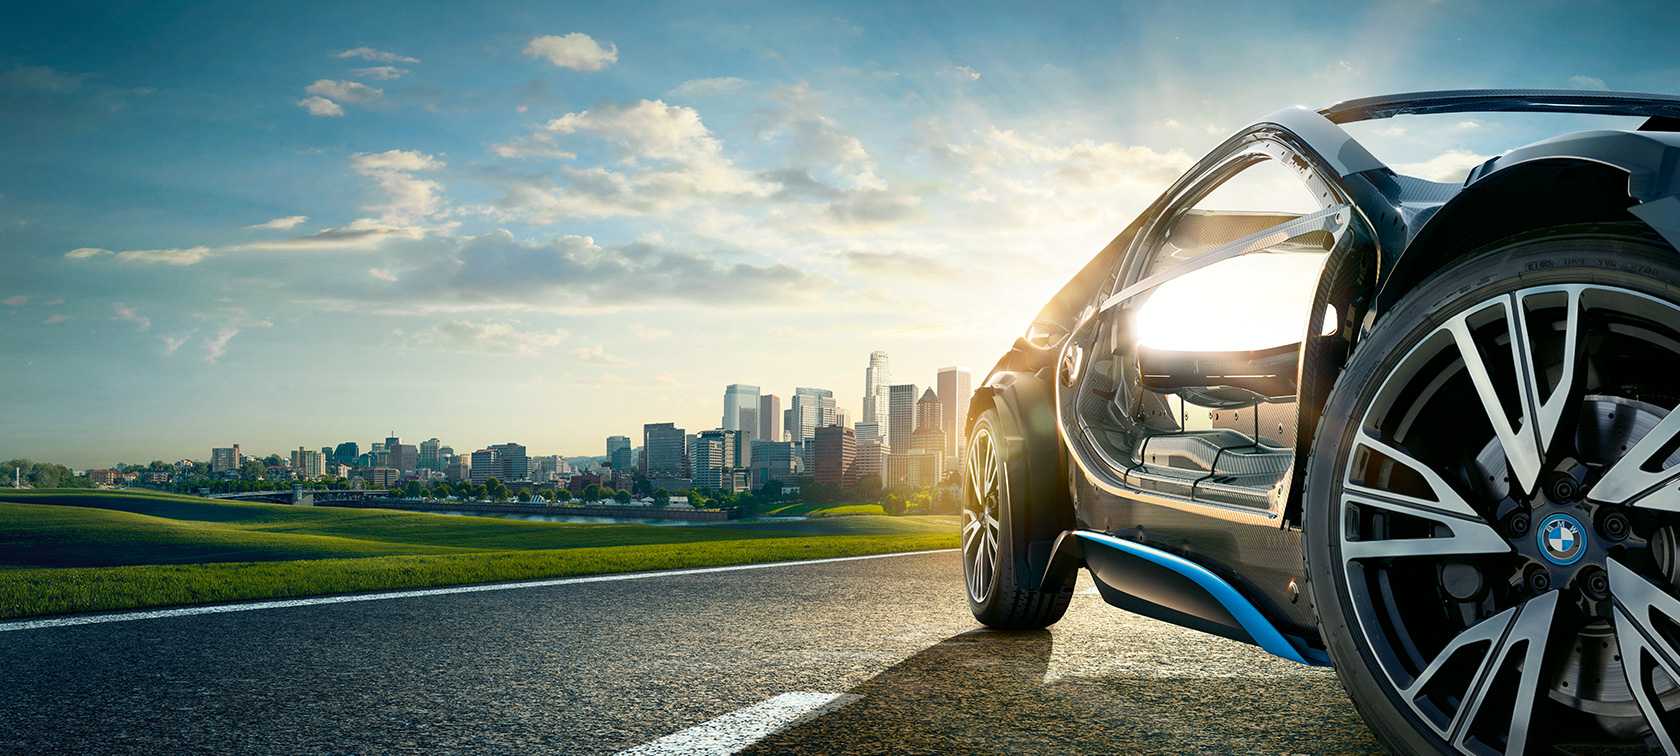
(1561, 539)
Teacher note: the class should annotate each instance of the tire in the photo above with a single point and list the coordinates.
(994, 537)
(1479, 585)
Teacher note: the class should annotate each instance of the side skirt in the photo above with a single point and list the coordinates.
(1170, 588)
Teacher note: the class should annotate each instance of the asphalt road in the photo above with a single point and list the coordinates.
(602, 667)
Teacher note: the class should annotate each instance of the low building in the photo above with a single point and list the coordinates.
(104, 477)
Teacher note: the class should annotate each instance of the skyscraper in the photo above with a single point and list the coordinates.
(901, 415)
(929, 435)
(619, 453)
(813, 408)
(736, 397)
(514, 466)
(955, 390)
(835, 447)
(663, 443)
(876, 378)
(347, 452)
(769, 417)
(429, 454)
(486, 464)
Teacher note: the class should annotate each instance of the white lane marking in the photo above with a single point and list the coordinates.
(1092, 590)
(744, 727)
(289, 603)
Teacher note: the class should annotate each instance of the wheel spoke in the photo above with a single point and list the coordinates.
(1447, 498)
(1469, 536)
(1626, 482)
(1551, 410)
(1521, 444)
(1530, 626)
(1637, 604)
(1532, 629)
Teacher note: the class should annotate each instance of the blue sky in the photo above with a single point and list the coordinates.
(300, 224)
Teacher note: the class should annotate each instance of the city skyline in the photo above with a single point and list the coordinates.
(494, 220)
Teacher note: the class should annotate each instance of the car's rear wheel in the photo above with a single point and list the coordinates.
(1492, 514)
(1000, 593)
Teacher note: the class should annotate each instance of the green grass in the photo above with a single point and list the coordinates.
(827, 509)
(76, 551)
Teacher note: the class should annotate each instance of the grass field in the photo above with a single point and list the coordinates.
(827, 509)
(75, 551)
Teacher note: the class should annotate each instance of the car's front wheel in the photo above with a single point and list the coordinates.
(1493, 520)
(995, 500)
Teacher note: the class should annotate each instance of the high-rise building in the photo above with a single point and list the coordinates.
(514, 465)
(955, 389)
(308, 463)
(736, 397)
(835, 446)
(404, 457)
(459, 468)
(869, 432)
(749, 424)
(429, 458)
(929, 436)
(813, 408)
(225, 458)
(486, 464)
(710, 458)
(771, 460)
(769, 417)
(876, 378)
(870, 458)
(620, 454)
(901, 414)
(663, 444)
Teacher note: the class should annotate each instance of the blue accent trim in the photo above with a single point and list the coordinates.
(1265, 635)
(1546, 549)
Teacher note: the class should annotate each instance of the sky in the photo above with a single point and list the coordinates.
(297, 224)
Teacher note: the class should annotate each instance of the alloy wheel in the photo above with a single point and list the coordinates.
(1508, 518)
(981, 515)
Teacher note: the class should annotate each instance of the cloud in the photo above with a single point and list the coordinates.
(577, 51)
(290, 221)
(166, 256)
(489, 337)
(412, 199)
(41, 79)
(597, 355)
(964, 72)
(86, 252)
(368, 53)
(382, 274)
(1452, 166)
(173, 342)
(382, 73)
(129, 314)
(902, 265)
(496, 269)
(344, 91)
(16, 301)
(670, 161)
(1586, 82)
(708, 87)
(320, 106)
(56, 318)
(52, 302)
(216, 345)
(648, 334)
(361, 234)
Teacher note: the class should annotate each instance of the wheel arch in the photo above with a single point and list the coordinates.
(1589, 177)
(1027, 420)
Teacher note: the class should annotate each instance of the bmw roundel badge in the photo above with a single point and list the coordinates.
(1562, 539)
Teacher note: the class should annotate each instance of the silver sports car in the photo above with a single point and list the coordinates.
(1423, 432)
